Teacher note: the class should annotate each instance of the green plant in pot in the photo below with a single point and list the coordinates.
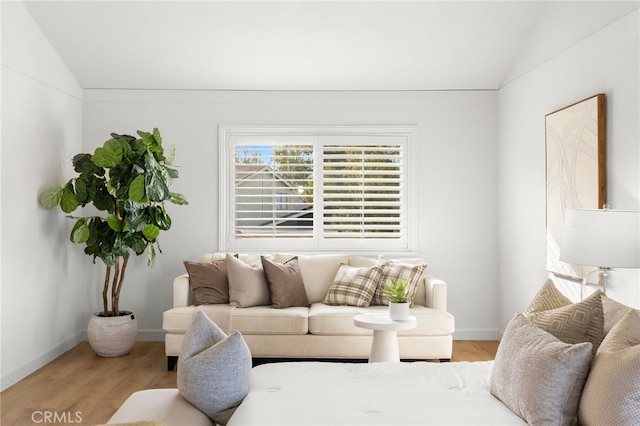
(126, 181)
(398, 292)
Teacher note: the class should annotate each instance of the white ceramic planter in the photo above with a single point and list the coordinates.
(112, 336)
(399, 311)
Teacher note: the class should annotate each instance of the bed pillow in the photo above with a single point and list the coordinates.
(573, 322)
(613, 312)
(286, 287)
(209, 284)
(354, 286)
(538, 376)
(213, 369)
(397, 271)
(247, 283)
(547, 298)
(611, 395)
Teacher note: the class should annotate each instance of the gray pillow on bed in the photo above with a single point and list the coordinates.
(213, 369)
(538, 376)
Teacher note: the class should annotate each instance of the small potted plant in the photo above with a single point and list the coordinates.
(126, 181)
(398, 293)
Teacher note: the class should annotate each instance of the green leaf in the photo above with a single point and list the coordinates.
(114, 222)
(151, 232)
(171, 156)
(179, 199)
(137, 190)
(51, 198)
(108, 155)
(69, 202)
(156, 187)
(80, 232)
(136, 242)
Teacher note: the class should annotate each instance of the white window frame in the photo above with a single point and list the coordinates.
(228, 134)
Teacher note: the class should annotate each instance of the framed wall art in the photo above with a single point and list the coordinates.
(575, 139)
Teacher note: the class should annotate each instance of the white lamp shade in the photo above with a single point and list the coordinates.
(603, 238)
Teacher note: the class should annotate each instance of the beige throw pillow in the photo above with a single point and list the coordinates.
(538, 376)
(286, 287)
(611, 395)
(354, 286)
(247, 283)
(547, 298)
(573, 322)
(208, 282)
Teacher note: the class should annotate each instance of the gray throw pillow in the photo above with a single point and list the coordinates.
(611, 395)
(536, 375)
(213, 369)
(247, 283)
(209, 284)
(286, 286)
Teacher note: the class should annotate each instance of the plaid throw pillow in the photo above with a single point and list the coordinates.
(398, 271)
(354, 286)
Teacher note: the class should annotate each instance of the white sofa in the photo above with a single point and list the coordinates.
(318, 331)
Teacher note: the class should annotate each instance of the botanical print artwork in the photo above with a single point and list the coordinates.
(575, 174)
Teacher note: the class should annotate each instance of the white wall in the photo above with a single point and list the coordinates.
(457, 176)
(606, 62)
(46, 299)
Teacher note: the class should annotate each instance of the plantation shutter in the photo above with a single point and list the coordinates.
(273, 189)
(362, 187)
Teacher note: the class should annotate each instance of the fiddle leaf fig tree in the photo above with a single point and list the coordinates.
(127, 181)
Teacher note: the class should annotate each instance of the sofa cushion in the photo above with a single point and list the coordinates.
(394, 270)
(265, 320)
(537, 375)
(213, 369)
(338, 320)
(354, 286)
(317, 272)
(573, 322)
(611, 395)
(247, 283)
(286, 286)
(208, 281)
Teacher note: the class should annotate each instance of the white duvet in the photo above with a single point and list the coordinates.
(417, 393)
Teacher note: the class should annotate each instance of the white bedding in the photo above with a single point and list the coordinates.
(418, 393)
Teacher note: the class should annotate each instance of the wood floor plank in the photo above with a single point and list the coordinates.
(81, 382)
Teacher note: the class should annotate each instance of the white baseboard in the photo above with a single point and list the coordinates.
(476, 334)
(20, 373)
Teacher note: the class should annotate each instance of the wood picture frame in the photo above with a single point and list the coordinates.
(575, 154)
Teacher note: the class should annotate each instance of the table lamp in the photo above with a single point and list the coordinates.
(603, 238)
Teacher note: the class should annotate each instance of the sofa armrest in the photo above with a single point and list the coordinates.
(436, 290)
(181, 291)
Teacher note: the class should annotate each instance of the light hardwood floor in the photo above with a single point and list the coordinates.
(81, 388)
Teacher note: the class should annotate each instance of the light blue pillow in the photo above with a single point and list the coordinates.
(213, 369)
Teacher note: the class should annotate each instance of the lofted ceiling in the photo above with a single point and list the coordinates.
(313, 45)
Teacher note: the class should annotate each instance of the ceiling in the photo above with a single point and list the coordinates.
(313, 45)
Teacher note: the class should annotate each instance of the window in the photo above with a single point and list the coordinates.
(317, 188)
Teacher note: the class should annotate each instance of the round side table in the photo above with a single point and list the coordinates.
(384, 346)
